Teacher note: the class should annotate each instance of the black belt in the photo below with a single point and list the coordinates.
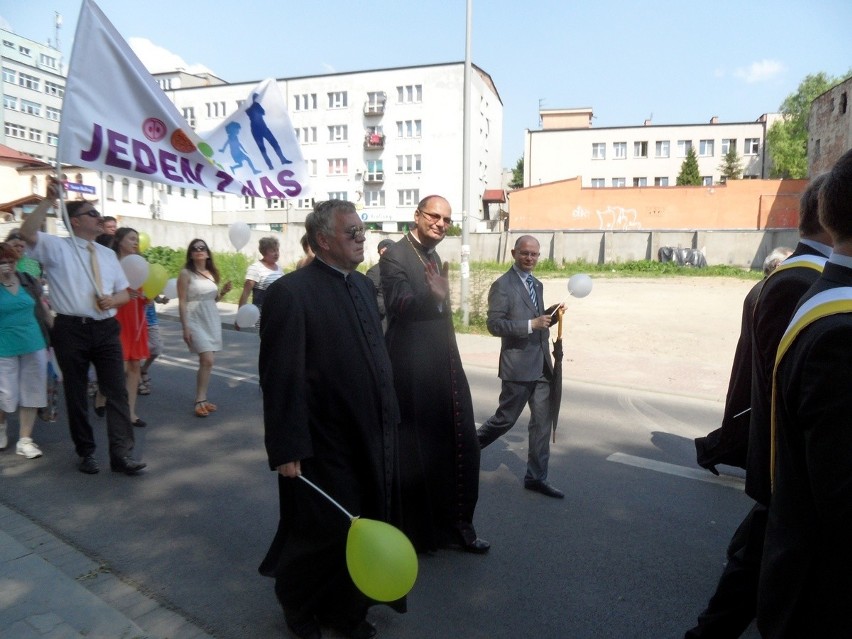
(77, 319)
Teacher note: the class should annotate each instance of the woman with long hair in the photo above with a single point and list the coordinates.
(198, 292)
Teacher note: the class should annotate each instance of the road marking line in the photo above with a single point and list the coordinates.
(228, 373)
(680, 471)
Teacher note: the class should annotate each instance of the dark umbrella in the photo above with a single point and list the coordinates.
(556, 380)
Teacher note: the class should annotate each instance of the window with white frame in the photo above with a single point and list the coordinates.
(28, 81)
(10, 102)
(110, 187)
(52, 139)
(338, 133)
(408, 197)
(640, 149)
(15, 130)
(376, 101)
(374, 170)
(189, 116)
(640, 181)
(337, 195)
(47, 61)
(661, 149)
(51, 88)
(411, 93)
(337, 166)
(275, 204)
(312, 168)
(619, 182)
(9, 44)
(661, 181)
(728, 144)
(337, 100)
(408, 163)
(705, 148)
(24, 50)
(248, 201)
(305, 102)
(683, 148)
(52, 113)
(598, 183)
(598, 150)
(35, 135)
(140, 192)
(707, 180)
(33, 108)
(306, 134)
(751, 146)
(125, 190)
(9, 75)
(408, 129)
(305, 203)
(619, 150)
(216, 109)
(373, 198)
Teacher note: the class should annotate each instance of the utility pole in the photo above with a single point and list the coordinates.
(465, 247)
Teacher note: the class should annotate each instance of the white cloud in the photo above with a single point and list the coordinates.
(760, 71)
(159, 60)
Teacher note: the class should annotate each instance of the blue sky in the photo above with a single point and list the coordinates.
(679, 62)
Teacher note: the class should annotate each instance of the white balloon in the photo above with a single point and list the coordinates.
(136, 269)
(239, 233)
(247, 315)
(170, 289)
(580, 285)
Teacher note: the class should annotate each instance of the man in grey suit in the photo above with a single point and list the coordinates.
(516, 315)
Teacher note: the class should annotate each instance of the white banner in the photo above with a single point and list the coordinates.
(115, 118)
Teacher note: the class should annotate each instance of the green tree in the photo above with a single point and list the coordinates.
(517, 175)
(689, 174)
(731, 167)
(787, 139)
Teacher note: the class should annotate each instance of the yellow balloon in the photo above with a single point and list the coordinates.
(156, 282)
(381, 560)
(144, 241)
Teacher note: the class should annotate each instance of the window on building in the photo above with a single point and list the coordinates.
(216, 109)
(337, 195)
(408, 129)
(374, 198)
(312, 168)
(307, 134)
(408, 163)
(598, 183)
(683, 148)
(598, 150)
(189, 116)
(10, 102)
(661, 149)
(248, 201)
(35, 135)
(375, 101)
(305, 102)
(9, 44)
(305, 203)
(24, 50)
(619, 150)
(140, 192)
(53, 139)
(374, 170)
(10, 76)
(47, 61)
(51, 88)
(411, 93)
(28, 81)
(640, 181)
(110, 187)
(125, 190)
(338, 133)
(33, 108)
(751, 146)
(274, 203)
(707, 180)
(52, 113)
(661, 181)
(705, 148)
(408, 197)
(640, 149)
(15, 130)
(337, 100)
(337, 166)
(728, 144)
(619, 181)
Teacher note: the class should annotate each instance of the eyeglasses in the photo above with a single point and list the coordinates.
(355, 232)
(14, 236)
(528, 254)
(198, 248)
(434, 217)
(90, 213)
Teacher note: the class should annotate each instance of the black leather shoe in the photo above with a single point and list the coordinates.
(140, 423)
(88, 465)
(126, 465)
(544, 488)
(303, 628)
(477, 546)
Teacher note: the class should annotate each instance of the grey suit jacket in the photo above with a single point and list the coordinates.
(523, 355)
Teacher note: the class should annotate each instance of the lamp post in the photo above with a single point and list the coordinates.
(465, 247)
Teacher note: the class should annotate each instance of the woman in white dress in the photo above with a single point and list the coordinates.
(261, 274)
(198, 291)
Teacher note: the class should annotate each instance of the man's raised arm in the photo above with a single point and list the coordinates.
(32, 225)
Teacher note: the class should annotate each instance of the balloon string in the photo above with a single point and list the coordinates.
(324, 494)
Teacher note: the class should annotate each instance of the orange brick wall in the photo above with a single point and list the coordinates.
(739, 204)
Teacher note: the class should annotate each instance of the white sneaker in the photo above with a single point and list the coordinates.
(4, 441)
(27, 447)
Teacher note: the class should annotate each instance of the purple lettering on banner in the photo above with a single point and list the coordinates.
(249, 190)
(269, 189)
(291, 187)
(144, 156)
(167, 165)
(225, 180)
(189, 174)
(115, 148)
(94, 151)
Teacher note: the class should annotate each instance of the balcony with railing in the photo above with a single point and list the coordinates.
(374, 141)
(374, 177)
(374, 108)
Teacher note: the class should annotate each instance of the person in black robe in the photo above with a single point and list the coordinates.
(330, 414)
(438, 448)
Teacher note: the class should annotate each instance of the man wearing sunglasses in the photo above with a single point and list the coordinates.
(439, 452)
(85, 329)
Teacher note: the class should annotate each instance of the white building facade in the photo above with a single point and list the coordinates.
(649, 155)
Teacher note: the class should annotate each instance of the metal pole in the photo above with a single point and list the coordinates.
(465, 248)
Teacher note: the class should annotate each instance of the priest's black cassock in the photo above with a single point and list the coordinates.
(329, 401)
(438, 449)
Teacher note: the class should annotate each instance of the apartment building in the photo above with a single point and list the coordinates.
(567, 146)
(32, 89)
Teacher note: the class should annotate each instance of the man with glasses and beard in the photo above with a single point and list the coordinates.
(439, 451)
(85, 329)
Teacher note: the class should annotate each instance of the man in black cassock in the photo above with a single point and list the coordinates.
(330, 414)
(438, 448)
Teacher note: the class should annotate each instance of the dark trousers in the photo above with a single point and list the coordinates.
(734, 604)
(513, 397)
(78, 343)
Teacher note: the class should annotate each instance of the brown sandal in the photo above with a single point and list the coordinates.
(201, 409)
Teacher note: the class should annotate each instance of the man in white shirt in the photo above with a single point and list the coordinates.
(85, 330)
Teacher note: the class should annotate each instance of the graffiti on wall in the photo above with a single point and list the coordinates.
(612, 218)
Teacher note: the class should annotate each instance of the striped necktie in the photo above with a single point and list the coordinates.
(531, 287)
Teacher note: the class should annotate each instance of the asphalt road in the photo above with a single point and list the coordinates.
(633, 551)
